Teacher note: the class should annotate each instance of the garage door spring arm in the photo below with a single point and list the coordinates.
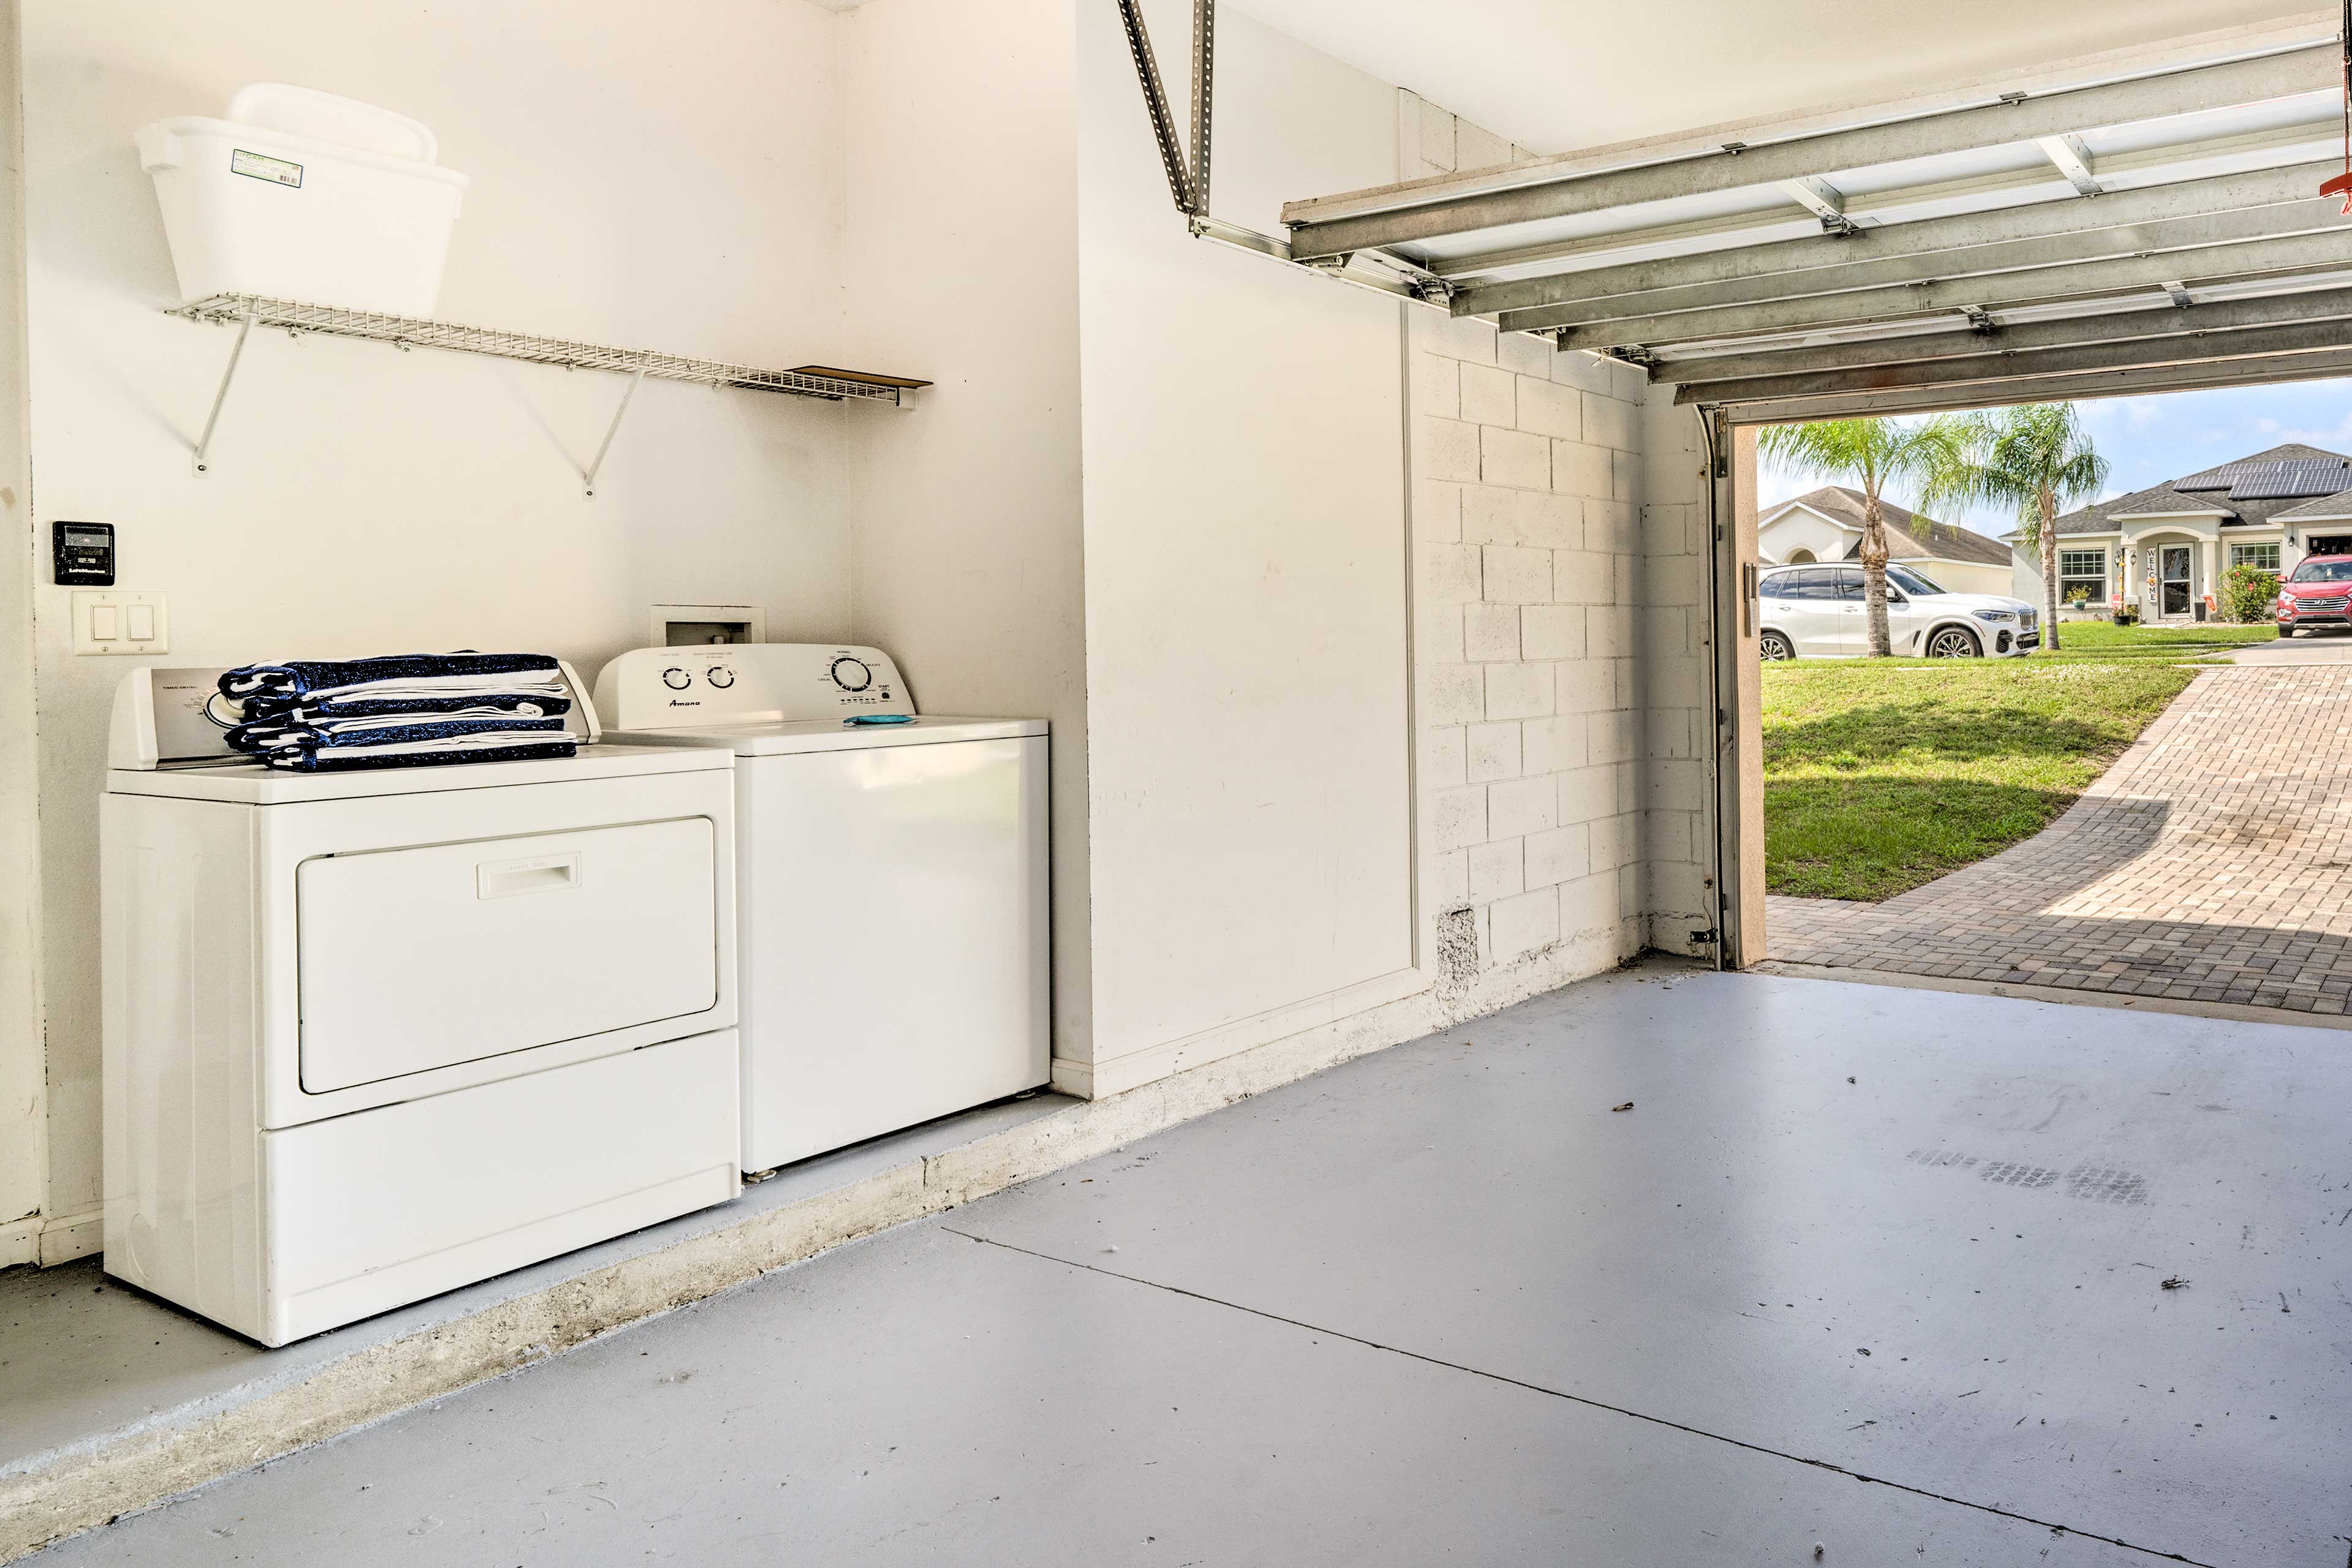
(1189, 184)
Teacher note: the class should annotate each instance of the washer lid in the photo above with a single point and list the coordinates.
(835, 735)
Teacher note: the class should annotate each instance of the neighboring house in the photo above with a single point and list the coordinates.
(1826, 525)
(2165, 548)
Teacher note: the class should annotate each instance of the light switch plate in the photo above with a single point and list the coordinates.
(88, 602)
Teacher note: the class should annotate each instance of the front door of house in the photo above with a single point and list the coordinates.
(2175, 581)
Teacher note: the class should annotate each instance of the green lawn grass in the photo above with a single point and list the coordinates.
(2103, 641)
(1880, 774)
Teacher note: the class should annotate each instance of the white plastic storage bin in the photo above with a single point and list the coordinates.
(303, 196)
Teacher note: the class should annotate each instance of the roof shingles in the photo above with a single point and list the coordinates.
(2262, 487)
(1910, 537)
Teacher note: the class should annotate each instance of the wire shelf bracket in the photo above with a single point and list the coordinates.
(404, 332)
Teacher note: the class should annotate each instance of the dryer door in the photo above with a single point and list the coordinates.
(415, 959)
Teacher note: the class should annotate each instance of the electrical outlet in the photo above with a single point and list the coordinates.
(120, 621)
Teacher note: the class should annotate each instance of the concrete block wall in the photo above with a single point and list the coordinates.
(1526, 525)
(1671, 636)
(1434, 141)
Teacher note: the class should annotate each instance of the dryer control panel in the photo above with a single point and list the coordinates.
(747, 683)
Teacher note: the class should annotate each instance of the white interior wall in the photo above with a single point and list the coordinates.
(1249, 757)
(22, 1097)
(1204, 581)
(960, 264)
(634, 182)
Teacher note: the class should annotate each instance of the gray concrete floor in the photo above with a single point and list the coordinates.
(84, 1358)
(1872, 1268)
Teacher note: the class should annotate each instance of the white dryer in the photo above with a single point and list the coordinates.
(370, 1036)
(891, 877)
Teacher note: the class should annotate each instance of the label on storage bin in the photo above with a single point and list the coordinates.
(255, 165)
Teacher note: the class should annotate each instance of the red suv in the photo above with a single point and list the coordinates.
(2315, 593)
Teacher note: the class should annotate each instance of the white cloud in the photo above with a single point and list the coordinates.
(2334, 441)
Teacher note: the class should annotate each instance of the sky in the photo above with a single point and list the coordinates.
(2165, 436)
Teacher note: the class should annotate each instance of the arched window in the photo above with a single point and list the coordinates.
(1801, 557)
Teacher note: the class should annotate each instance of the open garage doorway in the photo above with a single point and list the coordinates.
(2157, 809)
(2147, 221)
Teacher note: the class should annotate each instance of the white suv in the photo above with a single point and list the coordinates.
(1817, 612)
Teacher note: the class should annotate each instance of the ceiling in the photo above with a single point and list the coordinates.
(1554, 75)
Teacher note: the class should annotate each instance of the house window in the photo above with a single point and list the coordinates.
(2264, 557)
(2083, 577)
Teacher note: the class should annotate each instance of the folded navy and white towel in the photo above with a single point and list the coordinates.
(262, 736)
(525, 702)
(530, 701)
(509, 748)
(404, 711)
(421, 674)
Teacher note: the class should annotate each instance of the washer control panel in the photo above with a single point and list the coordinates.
(747, 683)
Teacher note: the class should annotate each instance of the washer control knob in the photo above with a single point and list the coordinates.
(720, 676)
(676, 680)
(852, 674)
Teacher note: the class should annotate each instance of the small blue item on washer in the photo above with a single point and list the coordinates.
(879, 719)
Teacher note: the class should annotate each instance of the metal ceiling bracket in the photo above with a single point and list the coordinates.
(2070, 155)
(1188, 179)
(2180, 296)
(1825, 202)
(1204, 59)
(205, 441)
(1188, 182)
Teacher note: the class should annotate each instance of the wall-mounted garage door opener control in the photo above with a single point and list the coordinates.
(84, 553)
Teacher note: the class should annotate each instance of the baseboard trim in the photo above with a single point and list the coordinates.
(20, 1241)
(72, 1235)
(49, 1240)
(1117, 1075)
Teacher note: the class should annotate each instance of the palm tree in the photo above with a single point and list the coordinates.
(1868, 454)
(2033, 460)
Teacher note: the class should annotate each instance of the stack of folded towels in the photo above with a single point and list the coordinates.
(406, 711)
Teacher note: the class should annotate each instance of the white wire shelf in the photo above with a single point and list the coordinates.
(247, 312)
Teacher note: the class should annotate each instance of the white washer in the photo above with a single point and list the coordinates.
(891, 886)
(371, 1035)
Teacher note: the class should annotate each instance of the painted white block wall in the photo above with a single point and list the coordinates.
(959, 262)
(24, 1166)
(1249, 768)
(634, 182)
(1527, 506)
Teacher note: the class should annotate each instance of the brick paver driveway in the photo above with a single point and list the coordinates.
(2210, 863)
